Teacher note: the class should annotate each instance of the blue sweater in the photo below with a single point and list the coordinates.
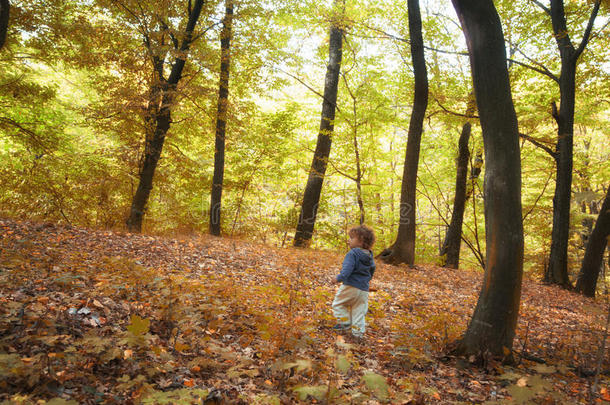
(358, 268)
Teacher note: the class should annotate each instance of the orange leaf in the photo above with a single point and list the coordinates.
(181, 347)
(189, 382)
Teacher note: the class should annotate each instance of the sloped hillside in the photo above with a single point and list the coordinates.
(91, 316)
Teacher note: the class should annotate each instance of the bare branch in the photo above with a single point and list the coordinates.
(171, 34)
(539, 196)
(544, 71)
(202, 33)
(306, 85)
(187, 40)
(540, 145)
(454, 112)
(554, 111)
(461, 53)
(587, 34)
(144, 30)
(542, 6)
(340, 172)
(384, 33)
(475, 251)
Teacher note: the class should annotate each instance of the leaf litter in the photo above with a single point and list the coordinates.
(89, 316)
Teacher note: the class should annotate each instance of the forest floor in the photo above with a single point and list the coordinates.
(90, 316)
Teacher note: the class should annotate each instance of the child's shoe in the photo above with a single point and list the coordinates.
(357, 339)
(342, 326)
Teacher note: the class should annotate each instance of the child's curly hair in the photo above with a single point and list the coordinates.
(364, 234)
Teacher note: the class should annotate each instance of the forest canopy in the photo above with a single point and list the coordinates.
(86, 86)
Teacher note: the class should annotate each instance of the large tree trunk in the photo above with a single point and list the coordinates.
(152, 153)
(5, 7)
(311, 196)
(492, 327)
(557, 271)
(403, 249)
(450, 250)
(221, 120)
(594, 253)
(159, 118)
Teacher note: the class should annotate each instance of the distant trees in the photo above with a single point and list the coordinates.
(450, 250)
(221, 119)
(594, 252)
(403, 249)
(557, 271)
(313, 188)
(492, 327)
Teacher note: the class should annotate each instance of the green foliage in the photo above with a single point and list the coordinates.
(376, 384)
(343, 364)
(10, 364)
(76, 78)
(318, 392)
(179, 396)
(527, 389)
(138, 326)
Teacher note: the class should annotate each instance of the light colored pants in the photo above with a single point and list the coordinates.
(350, 306)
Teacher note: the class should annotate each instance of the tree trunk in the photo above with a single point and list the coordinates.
(221, 120)
(354, 125)
(557, 271)
(492, 327)
(311, 196)
(152, 153)
(594, 253)
(403, 249)
(159, 118)
(358, 168)
(5, 8)
(450, 249)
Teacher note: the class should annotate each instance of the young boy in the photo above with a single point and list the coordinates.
(352, 299)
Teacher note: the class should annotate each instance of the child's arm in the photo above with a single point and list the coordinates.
(349, 264)
(372, 271)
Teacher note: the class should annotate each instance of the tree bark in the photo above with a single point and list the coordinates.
(594, 252)
(221, 120)
(311, 196)
(5, 8)
(358, 179)
(450, 249)
(403, 249)
(159, 117)
(557, 270)
(492, 327)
